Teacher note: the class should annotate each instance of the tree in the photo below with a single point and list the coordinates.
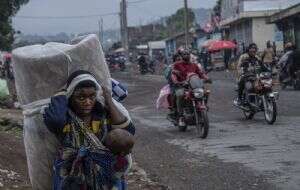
(8, 8)
(175, 23)
(217, 8)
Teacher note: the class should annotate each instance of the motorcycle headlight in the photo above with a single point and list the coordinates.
(198, 93)
(267, 82)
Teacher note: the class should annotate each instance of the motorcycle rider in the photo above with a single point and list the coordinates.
(180, 72)
(285, 63)
(142, 63)
(246, 63)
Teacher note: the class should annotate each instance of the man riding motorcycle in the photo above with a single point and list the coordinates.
(286, 62)
(246, 62)
(142, 62)
(180, 72)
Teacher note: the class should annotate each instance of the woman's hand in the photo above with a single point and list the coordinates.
(117, 117)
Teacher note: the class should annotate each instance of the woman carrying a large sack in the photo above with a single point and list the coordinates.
(95, 138)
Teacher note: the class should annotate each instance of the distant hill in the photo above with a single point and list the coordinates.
(110, 37)
(202, 15)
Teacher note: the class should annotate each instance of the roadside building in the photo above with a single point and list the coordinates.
(157, 48)
(142, 34)
(177, 41)
(246, 21)
(288, 21)
(144, 49)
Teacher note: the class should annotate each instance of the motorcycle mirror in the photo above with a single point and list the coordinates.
(208, 82)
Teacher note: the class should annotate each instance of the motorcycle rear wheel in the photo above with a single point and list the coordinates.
(202, 124)
(182, 128)
(249, 115)
(296, 85)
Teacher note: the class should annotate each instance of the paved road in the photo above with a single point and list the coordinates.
(238, 154)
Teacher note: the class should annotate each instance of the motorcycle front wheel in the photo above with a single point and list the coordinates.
(182, 128)
(270, 110)
(202, 124)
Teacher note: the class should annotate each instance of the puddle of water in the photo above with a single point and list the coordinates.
(242, 148)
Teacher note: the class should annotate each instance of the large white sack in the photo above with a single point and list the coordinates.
(41, 70)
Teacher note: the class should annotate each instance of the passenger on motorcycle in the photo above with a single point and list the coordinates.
(168, 75)
(248, 62)
(180, 72)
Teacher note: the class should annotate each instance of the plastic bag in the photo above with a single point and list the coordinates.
(162, 100)
(4, 93)
(40, 71)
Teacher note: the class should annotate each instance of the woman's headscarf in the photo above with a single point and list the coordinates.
(80, 76)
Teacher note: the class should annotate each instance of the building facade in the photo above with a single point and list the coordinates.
(246, 21)
(288, 21)
(177, 41)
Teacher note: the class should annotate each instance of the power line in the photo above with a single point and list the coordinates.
(138, 1)
(66, 17)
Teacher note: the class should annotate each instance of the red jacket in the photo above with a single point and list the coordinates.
(181, 70)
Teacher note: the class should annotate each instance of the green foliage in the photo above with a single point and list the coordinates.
(8, 8)
(175, 23)
(217, 8)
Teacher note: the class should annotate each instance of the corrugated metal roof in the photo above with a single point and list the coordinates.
(265, 5)
(157, 45)
(142, 47)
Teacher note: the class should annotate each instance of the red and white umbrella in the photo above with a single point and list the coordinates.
(220, 45)
(207, 43)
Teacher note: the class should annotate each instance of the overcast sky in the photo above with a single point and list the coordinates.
(138, 13)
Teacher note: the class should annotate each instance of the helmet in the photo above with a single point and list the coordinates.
(253, 46)
(288, 45)
(185, 55)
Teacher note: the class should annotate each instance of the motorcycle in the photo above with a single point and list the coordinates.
(291, 81)
(113, 67)
(195, 109)
(258, 96)
(284, 67)
(151, 68)
(143, 67)
(121, 60)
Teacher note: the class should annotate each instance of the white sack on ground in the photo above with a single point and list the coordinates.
(41, 70)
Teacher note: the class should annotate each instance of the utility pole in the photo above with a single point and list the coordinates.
(124, 26)
(101, 31)
(186, 23)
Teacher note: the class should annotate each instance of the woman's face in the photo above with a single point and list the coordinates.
(83, 100)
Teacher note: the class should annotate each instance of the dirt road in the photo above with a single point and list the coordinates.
(237, 155)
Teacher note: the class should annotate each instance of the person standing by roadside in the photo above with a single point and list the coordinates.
(268, 55)
(227, 57)
(204, 58)
(9, 76)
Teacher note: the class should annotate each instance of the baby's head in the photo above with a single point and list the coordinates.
(119, 142)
